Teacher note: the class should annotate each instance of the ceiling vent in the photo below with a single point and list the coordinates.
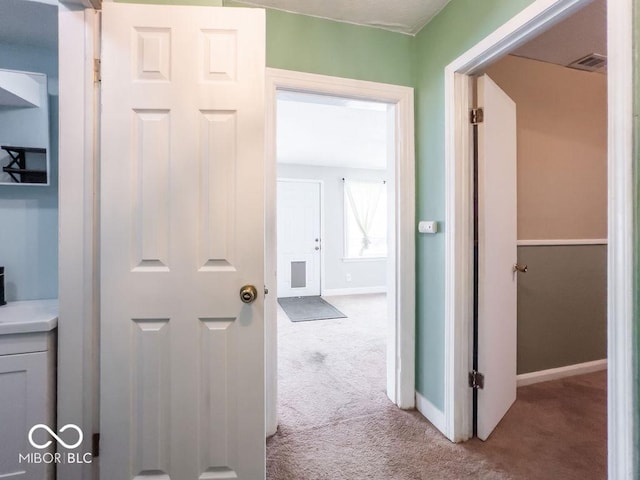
(591, 63)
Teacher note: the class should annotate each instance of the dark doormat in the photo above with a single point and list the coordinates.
(303, 309)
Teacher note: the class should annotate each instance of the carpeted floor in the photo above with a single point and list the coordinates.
(337, 424)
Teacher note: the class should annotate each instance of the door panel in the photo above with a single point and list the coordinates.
(299, 240)
(182, 358)
(497, 254)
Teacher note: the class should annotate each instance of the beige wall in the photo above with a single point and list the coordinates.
(562, 148)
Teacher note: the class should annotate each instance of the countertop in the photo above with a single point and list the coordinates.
(28, 316)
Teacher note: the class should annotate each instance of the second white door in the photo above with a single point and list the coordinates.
(299, 242)
(497, 254)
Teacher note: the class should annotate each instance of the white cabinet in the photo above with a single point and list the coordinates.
(27, 387)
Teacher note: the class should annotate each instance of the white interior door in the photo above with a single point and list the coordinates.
(299, 241)
(497, 254)
(182, 205)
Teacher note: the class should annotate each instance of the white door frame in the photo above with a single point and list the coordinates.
(321, 215)
(459, 214)
(401, 339)
(78, 294)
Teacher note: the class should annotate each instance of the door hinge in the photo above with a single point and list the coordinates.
(476, 379)
(97, 74)
(95, 445)
(477, 116)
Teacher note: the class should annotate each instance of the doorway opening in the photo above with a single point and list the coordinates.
(335, 164)
(525, 26)
(347, 196)
(541, 228)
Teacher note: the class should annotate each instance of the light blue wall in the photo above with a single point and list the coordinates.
(29, 215)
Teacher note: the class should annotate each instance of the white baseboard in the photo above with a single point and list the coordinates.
(430, 412)
(561, 372)
(334, 292)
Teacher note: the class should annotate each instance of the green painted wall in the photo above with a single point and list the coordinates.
(309, 44)
(456, 29)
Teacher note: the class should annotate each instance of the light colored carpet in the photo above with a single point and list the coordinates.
(337, 424)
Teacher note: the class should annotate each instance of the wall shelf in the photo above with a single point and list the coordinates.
(17, 167)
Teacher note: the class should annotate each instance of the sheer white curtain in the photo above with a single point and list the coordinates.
(364, 200)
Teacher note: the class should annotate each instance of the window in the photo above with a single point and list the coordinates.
(365, 219)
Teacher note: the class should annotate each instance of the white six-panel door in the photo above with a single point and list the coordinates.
(182, 358)
(497, 254)
(299, 241)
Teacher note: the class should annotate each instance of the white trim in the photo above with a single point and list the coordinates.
(538, 16)
(78, 287)
(458, 308)
(581, 241)
(401, 347)
(521, 28)
(335, 292)
(525, 379)
(621, 382)
(430, 412)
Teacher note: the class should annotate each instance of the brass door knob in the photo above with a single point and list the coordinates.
(248, 293)
(520, 268)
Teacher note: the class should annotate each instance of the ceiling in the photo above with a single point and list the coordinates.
(30, 23)
(581, 34)
(331, 132)
(405, 16)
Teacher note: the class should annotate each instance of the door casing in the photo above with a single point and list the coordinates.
(78, 287)
(401, 331)
(539, 16)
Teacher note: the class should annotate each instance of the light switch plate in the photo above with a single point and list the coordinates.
(428, 226)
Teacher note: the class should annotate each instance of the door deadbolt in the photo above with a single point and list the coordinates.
(248, 293)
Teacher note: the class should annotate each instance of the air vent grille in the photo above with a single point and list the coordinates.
(591, 63)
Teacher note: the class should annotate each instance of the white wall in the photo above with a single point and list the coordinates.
(364, 273)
